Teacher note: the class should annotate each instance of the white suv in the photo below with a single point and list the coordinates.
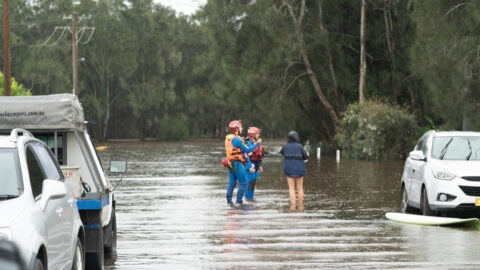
(38, 211)
(442, 174)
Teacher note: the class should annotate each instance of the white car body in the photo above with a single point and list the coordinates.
(451, 174)
(45, 226)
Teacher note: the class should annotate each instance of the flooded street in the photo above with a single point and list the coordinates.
(172, 213)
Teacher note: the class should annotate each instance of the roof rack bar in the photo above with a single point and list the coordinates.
(16, 131)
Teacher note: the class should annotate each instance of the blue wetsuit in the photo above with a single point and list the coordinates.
(251, 177)
(238, 171)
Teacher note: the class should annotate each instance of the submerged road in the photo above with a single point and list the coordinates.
(172, 214)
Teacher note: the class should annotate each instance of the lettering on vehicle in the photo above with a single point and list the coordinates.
(16, 114)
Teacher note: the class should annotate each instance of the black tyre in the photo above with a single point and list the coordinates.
(426, 211)
(38, 265)
(405, 208)
(110, 234)
(95, 260)
(79, 257)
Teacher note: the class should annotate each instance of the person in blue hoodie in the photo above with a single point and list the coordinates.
(294, 167)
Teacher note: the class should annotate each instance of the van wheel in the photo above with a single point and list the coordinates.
(405, 208)
(95, 260)
(426, 211)
(38, 265)
(78, 258)
(111, 235)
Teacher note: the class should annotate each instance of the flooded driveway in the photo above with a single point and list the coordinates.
(172, 213)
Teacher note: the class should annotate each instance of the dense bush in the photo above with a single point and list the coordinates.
(173, 129)
(374, 130)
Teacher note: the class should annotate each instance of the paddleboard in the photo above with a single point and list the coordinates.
(428, 220)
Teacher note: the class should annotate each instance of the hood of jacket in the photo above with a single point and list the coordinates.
(293, 137)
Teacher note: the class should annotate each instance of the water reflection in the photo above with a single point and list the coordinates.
(172, 214)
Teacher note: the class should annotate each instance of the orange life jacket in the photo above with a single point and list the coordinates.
(233, 153)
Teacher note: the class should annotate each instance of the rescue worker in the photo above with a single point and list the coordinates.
(256, 159)
(237, 160)
(294, 167)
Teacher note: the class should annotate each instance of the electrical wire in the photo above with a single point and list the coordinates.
(48, 39)
(89, 38)
(60, 39)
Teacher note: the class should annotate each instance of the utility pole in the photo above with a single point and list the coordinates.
(74, 53)
(6, 49)
(77, 37)
(363, 60)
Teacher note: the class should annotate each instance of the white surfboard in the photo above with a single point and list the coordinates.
(428, 220)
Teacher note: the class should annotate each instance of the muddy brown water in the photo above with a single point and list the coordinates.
(172, 214)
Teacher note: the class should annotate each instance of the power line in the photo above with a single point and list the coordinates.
(64, 29)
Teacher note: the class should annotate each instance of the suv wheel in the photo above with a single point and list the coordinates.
(405, 208)
(38, 265)
(78, 261)
(426, 211)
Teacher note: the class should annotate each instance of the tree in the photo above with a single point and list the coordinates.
(17, 89)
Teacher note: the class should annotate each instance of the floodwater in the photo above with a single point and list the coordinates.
(172, 214)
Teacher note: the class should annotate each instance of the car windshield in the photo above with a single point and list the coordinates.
(456, 148)
(10, 184)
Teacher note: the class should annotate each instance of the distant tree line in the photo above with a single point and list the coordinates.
(276, 64)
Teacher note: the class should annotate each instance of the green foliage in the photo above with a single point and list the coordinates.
(446, 56)
(375, 130)
(147, 69)
(17, 89)
(173, 129)
(430, 125)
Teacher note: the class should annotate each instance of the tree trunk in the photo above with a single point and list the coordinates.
(387, 15)
(325, 134)
(141, 133)
(107, 111)
(306, 61)
(363, 62)
(339, 102)
(105, 122)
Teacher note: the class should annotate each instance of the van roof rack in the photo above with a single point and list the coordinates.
(16, 133)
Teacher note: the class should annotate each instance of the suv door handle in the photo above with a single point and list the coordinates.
(413, 170)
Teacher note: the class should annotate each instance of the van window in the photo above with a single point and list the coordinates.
(35, 172)
(49, 140)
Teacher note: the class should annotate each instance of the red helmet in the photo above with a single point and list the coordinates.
(235, 125)
(253, 130)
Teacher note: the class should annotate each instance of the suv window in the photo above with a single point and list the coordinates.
(35, 172)
(47, 160)
(425, 147)
(10, 182)
(420, 143)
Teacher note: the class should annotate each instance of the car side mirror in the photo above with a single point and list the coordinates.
(118, 166)
(417, 155)
(51, 190)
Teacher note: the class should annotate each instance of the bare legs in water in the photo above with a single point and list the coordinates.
(291, 187)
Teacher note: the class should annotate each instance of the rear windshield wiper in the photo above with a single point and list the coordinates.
(7, 197)
(444, 150)
(469, 146)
